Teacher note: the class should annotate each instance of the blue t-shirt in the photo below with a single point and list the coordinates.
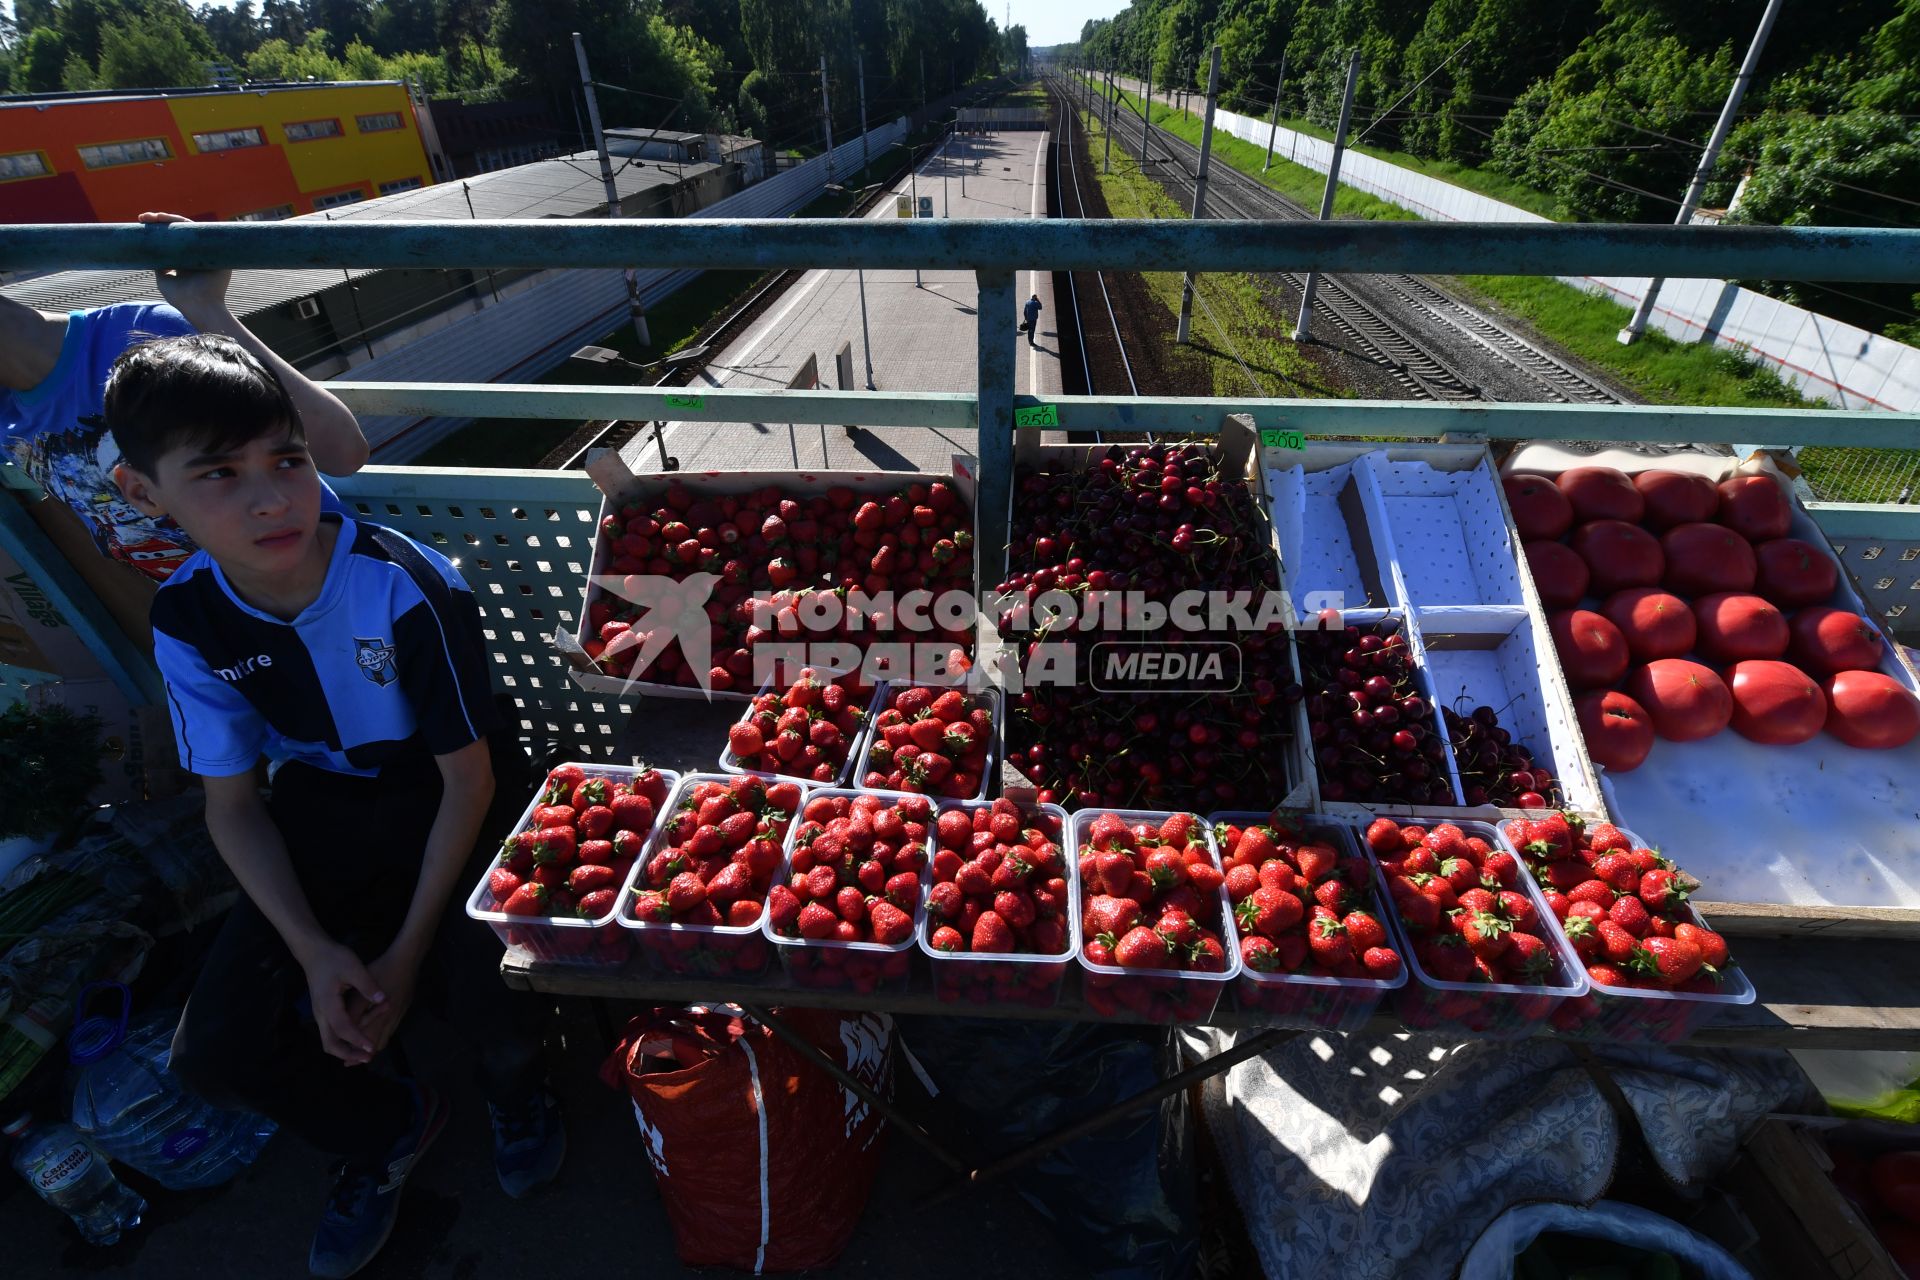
(388, 661)
(44, 436)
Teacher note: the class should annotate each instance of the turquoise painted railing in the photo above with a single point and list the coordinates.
(993, 250)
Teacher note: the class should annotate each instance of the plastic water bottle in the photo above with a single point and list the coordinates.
(74, 1178)
(130, 1106)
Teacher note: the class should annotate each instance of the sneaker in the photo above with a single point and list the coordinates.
(529, 1142)
(366, 1194)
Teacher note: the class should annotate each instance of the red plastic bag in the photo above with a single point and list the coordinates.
(764, 1160)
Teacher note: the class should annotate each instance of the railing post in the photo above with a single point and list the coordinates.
(993, 322)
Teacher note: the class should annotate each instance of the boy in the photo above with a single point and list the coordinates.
(351, 658)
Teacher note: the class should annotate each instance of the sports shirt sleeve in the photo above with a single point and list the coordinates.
(218, 731)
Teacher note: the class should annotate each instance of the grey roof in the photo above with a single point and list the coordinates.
(566, 187)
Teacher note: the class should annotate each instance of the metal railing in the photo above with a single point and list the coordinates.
(993, 250)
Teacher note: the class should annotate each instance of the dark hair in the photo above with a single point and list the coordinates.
(203, 390)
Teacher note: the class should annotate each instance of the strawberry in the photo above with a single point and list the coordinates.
(1329, 942)
(1142, 948)
(1662, 891)
(1365, 931)
(890, 925)
(1529, 959)
(1381, 962)
(527, 900)
(589, 792)
(1269, 912)
(817, 921)
(1598, 892)
(501, 882)
(1259, 954)
(1616, 944)
(561, 781)
(1604, 837)
(746, 741)
(1631, 914)
(596, 851)
(1667, 961)
(1616, 871)
(685, 892)
(588, 877)
(1487, 934)
(784, 797)
(1383, 837)
(1500, 868)
(991, 933)
(783, 908)
(1583, 936)
(947, 938)
(1713, 947)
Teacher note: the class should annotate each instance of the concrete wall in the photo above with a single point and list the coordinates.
(557, 312)
(1846, 366)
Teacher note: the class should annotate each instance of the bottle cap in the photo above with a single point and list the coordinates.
(17, 1125)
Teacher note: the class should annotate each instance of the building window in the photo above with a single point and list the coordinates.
(274, 214)
(106, 155)
(228, 140)
(380, 123)
(308, 130)
(23, 164)
(339, 198)
(399, 184)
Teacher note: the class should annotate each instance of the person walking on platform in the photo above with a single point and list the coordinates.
(1032, 313)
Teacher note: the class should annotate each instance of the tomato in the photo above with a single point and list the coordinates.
(1775, 703)
(1592, 650)
(1755, 507)
(1559, 574)
(1705, 558)
(1655, 624)
(1602, 493)
(1867, 709)
(1686, 701)
(1792, 573)
(1618, 730)
(1619, 555)
(1737, 625)
(1540, 510)
(1828, 640)
(1676, 497)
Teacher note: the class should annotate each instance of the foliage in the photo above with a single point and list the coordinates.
(42, 58)
(1602, 107)
(53, 761)
(154, 50)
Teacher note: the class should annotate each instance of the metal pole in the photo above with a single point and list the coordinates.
(1708, 158)
(994, 307)
(1146, 117)
(1301, 326)
(946, 163)
(1199, 192)
(866, 161)
(635, 311)
(866, 338)
(826, 115)
(1106, 100)
(923, 79)
(913, 185)
(1273, 122)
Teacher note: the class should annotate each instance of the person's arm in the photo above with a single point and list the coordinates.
(254, 851)
(333, 433)
(30, 342)
(466, 794)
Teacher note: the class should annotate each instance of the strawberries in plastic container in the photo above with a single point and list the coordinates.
(1001, 887)
(932, 741)
(806, 731)
(1155, 938)
(844, 906)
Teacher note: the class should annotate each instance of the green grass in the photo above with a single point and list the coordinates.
(523, 442)
(1232, 314)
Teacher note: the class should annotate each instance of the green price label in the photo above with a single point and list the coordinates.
(686, 402)
(1277, 439)
(1040, 415)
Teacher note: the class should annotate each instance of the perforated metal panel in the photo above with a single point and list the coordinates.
(522, 540)
(1880, 546)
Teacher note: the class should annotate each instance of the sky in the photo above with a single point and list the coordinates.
(1052, 21)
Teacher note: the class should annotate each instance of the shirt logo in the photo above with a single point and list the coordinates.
(376, 660)
(244, 667)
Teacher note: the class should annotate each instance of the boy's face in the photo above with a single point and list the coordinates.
(254, 509)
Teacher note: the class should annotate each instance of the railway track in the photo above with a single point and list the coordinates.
(1363, 310)
(1108, 335)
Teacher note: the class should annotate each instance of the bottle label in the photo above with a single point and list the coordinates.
(185, 1143)
(63, 1170)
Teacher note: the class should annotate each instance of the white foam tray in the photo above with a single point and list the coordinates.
(1818, 823)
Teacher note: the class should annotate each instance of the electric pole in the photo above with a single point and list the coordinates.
(865, 160)
(1199, 191)
(1146, 117)
(826, 115)
(635, 311)
(1301, 326)
(1708, 159)
(1273, 122)
(1106, 99)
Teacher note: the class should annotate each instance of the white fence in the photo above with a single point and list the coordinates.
(1825, 358)
(542, 323)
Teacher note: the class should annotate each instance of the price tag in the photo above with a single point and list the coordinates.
(1273, 438)
(1040, 415)
(686, 402)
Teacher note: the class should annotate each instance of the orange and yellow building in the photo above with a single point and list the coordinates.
(259, 153)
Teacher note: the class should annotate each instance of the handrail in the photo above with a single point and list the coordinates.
(1798, 253)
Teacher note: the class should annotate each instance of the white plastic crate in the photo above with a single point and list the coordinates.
(1448, 532)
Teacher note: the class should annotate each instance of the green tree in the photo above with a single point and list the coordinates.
(41, 60)
(76, 76)
(235, 32)
(155, 50)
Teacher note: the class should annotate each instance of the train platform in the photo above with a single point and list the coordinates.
(921, 331)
